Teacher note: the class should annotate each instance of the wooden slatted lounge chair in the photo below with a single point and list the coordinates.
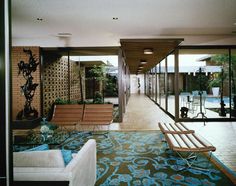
(67, 115)
(97, 115)
(174, 128)
(191, 144)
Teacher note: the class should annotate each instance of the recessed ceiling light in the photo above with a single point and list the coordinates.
(115, 18)
(234, 24)
(148, 51)
(143, 62)
(39, 19)
(64, 34)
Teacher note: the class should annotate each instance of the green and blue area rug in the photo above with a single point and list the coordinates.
(140, 158)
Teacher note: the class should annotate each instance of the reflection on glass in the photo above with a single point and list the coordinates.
(233, 83)
(170, 85)
(153, 83)
(204, 83)
(162, 84)
(158, 83)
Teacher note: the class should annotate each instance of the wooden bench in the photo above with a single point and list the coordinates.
(88, 114)
(97, 114)
(188, 143)
(174, 128)
(67, 115)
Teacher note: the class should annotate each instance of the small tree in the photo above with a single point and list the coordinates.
(98, 74)
(223, 59)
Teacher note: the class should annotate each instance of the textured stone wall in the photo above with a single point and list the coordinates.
(56, 82)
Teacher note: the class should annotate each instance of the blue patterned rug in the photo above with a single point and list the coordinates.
(139, 158)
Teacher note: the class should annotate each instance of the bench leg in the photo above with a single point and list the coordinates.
(191, 160)
(104, 133)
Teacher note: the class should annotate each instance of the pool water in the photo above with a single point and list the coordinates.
(217, 100)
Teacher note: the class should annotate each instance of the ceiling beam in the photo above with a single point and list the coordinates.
(134, 51)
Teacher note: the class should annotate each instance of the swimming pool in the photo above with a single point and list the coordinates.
(217, 100)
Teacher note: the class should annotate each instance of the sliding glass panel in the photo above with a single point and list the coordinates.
(149, 84)
(204, 83)
(151, 79)
(170, 84)
(162, 84)
(233, 83)
(158, 83)
(153, 83)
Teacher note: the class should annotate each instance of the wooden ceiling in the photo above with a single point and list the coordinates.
(133, 51)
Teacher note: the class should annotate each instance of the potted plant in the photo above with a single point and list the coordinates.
(215, 86)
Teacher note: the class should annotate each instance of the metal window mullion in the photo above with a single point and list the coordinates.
(166, 84)
(230, 83)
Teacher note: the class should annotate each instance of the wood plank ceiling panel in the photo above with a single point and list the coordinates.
(133, 51)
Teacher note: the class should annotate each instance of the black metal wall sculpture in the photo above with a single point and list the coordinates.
(28, 89)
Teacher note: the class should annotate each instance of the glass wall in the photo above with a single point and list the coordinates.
(162, 85)
(204, 83)
(170, 84)
(233, 83)
(153, 79)
(158, 84)
(207, 84)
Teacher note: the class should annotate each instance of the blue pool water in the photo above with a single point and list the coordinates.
(217, 100)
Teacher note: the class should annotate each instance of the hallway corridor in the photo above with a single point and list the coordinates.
(143, 114)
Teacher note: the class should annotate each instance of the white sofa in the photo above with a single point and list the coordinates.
(49, 166)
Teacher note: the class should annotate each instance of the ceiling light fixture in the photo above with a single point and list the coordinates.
(64, 34)
(148, 51)
(143, 62)
(140, 67)
(39, 19)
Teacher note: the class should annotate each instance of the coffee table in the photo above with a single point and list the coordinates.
(36, 138)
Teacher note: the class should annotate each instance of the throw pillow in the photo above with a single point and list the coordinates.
(67, 156)
(39, 148)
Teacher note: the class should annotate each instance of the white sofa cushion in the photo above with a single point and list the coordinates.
(48, 158)
(40, 174)
(80, 171)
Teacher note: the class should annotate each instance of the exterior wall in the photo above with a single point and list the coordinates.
(56, 80)
(18, 100)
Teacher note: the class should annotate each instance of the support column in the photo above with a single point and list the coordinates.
(5, 95)
(121, 86)
(166, 84)
(176, 53)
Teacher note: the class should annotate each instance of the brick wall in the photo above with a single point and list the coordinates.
(18, 99)
(55, 80)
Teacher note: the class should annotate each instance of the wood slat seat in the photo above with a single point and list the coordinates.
(174, 128)
(97, 114)
(69, 114)
(188, 143)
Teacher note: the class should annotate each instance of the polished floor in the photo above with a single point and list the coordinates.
(143, 114)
